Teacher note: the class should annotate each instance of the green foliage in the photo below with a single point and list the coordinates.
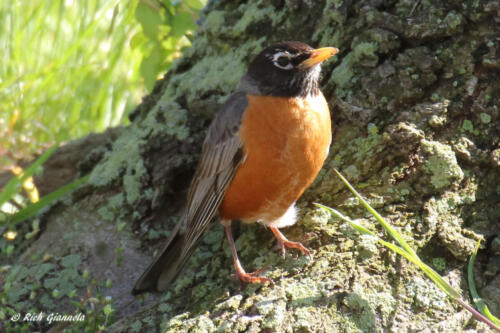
(30, 210)
(66, 70)
(73, 67)
(14, 185)
(165, 27)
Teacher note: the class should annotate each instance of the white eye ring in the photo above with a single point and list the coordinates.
(278, 55)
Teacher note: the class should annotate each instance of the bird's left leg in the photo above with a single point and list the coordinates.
(284, 243)
(240, 272)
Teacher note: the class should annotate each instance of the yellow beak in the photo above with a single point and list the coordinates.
(319, 55)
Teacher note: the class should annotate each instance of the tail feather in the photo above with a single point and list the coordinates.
(165, 267)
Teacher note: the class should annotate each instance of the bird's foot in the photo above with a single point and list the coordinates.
(284, 244)
(293, 245)
(253, 277)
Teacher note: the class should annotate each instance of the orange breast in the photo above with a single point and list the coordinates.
(286, 141)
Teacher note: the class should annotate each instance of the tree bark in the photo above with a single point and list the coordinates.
(414, 97)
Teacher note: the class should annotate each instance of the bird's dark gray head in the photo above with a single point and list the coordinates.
(287, 69)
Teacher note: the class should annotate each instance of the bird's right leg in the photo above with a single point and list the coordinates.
(240, 272)
(284, 243)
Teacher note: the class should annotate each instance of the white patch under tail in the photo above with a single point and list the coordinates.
(287, 219)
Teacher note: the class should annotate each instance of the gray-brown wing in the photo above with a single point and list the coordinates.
(222, 154)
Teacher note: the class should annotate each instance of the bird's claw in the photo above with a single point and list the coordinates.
(294, 245)
(253, 277)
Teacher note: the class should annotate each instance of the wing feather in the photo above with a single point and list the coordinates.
(222, 154)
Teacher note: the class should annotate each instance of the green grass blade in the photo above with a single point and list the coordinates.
(32, 209)
(482, 307)
(354, 224)
(14, 185)
(435, 277)
(394, 234)
(410, 255)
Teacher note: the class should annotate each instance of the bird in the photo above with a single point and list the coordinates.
(263, 149)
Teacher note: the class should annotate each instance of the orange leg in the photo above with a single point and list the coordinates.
(240, 272)
(284, 243)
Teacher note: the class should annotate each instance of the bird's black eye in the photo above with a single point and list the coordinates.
(283, 61)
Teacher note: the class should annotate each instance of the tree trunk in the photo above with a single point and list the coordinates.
(414, 96)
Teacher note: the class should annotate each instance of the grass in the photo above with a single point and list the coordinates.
(14, 186)
(407, 252)
(72, 67)
(478, 301)
(66, 70)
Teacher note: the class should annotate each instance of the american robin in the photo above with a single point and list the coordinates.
(264, 148)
